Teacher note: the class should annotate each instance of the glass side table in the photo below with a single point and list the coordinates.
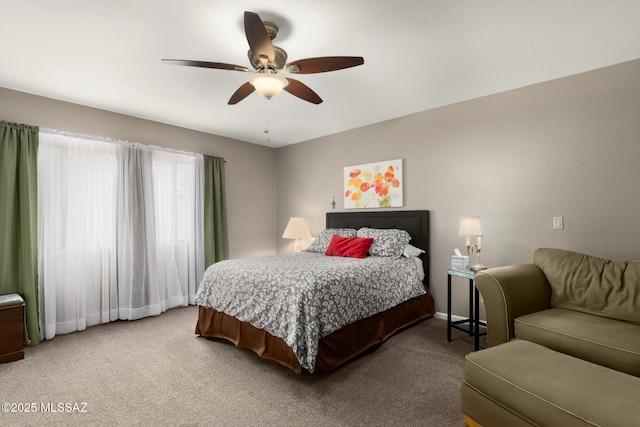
(472, 324)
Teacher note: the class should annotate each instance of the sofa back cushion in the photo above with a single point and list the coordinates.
(592, 285)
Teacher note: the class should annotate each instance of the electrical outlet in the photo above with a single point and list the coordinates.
(558, 223)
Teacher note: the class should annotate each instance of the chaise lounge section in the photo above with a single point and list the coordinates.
(564, 344)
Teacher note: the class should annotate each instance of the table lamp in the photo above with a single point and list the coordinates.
(470, 227)
(296, 229)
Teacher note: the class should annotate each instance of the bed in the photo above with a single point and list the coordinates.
(320, 348)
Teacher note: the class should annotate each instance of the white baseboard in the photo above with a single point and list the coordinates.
(443, 316)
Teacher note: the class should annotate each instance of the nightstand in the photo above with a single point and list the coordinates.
(473, 322)
(11, 328)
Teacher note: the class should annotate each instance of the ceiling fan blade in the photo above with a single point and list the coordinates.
(302, 91)
(240, 94)
(258, 38)
(323, 64)
(205, 64)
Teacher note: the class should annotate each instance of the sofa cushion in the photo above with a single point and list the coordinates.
(545, 387)
(597, 339)
(592, 285)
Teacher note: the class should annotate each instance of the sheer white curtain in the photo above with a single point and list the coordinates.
(120, 231)
(76, 233)
(178, 187)
(158, 235)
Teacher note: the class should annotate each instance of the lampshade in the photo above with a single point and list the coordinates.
(268, 85)
(296, 229)
(470, 226)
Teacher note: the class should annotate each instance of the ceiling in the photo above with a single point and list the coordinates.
(419, 54)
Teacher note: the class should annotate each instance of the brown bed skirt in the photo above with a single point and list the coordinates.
(333, 350)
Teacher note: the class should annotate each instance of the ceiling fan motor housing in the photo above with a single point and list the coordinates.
(279, 61)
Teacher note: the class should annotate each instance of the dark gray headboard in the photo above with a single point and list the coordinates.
(416, 223)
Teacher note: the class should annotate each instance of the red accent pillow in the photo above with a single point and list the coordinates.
(352, 247)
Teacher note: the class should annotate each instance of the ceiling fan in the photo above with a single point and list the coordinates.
(270, 61)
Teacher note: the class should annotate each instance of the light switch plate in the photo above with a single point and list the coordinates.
(558, 223)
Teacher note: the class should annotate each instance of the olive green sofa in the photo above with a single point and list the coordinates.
(563, 344)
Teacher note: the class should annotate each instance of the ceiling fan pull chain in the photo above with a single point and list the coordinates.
(266, 130)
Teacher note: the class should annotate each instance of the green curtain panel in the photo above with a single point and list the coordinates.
(19, 219)
(216, 240)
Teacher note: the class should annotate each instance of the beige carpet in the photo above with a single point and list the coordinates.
(155, 371)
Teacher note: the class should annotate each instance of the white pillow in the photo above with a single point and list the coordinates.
(411, 251)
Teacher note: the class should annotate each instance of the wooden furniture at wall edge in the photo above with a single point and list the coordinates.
(11, 328)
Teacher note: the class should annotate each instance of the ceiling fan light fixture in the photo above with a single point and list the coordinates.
(268, 85)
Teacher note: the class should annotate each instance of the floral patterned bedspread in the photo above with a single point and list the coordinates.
(305, 296)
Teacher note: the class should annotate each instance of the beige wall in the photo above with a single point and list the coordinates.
(569, 147)
(250, 168)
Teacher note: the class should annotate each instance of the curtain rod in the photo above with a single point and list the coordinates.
(118, 141)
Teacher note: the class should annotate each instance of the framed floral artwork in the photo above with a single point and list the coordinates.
(373, 185)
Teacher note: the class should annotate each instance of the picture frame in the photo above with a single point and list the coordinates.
(374, 185)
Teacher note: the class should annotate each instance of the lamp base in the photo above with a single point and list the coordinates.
(477, 266)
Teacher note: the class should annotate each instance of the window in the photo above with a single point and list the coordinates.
(118, 231)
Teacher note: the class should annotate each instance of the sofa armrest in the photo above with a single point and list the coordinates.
(510, 292)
